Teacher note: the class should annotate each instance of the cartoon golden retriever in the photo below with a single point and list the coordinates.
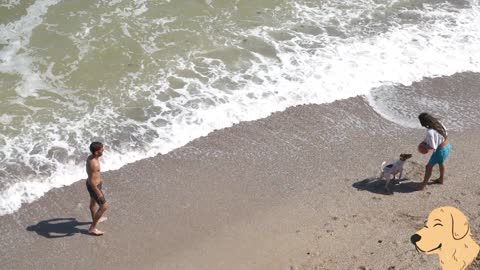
(447, 234)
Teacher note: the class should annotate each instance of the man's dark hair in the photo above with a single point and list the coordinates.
(95, 146)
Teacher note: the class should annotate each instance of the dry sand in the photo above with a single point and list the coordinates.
(297, 190)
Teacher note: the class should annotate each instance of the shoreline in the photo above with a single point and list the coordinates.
(463, 83)
(295, 190)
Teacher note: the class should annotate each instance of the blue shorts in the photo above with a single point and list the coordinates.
(440, 155)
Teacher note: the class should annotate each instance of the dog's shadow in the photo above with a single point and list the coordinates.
(376, 185)
(413, 170)
(58, 227)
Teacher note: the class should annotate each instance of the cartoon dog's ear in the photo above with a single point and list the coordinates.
(460, 227)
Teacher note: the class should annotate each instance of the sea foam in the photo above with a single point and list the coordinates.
(273, 68)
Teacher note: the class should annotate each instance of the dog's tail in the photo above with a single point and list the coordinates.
(383, 165)
(381, 169)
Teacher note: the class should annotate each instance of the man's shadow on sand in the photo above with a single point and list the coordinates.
(58, 227)
(376, 185)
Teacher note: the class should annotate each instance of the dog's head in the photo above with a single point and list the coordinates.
(405, 156)
(444, 228)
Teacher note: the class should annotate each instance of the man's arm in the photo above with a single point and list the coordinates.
(95, 178)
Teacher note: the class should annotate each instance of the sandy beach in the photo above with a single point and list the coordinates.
(296, 190)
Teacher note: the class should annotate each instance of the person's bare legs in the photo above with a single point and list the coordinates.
(428, 173)
(442, 173)
(93, 228)
(93, 208)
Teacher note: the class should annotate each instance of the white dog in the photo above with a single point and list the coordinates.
(386, 172)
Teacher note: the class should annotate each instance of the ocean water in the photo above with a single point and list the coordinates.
(146, 77)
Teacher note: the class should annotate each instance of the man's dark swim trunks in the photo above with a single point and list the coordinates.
(94, 196)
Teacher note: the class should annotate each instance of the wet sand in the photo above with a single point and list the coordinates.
(296, 190)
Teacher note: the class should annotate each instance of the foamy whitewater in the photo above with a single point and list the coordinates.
(146, 77)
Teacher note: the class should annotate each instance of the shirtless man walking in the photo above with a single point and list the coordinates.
(94, 187)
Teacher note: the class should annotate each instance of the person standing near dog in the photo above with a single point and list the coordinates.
(94, 187)
(436, 139)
